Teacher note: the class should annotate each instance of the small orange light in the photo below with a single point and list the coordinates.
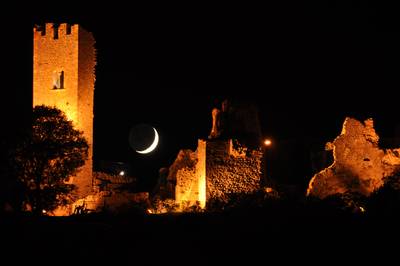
(267, 142)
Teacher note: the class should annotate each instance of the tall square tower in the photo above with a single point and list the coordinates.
(64, 59)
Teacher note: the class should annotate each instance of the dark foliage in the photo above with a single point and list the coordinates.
(386, 200)
(245, 202)
(45, 160)
(338, 205)
(11, 191)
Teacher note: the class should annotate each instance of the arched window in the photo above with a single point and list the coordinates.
(58, 80)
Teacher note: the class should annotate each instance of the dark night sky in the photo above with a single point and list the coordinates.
(307, 66)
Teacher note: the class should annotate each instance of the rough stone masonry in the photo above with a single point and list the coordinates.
(64, 60)
(228, 163)
(359, 164)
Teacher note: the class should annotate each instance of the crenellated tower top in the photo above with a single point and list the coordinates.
(56, 30)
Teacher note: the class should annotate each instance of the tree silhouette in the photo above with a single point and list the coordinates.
(47, 158)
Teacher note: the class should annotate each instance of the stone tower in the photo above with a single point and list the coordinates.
(64, 59)
(229, 163)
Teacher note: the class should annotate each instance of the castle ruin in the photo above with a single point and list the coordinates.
(360, 165)
(228, 163)
(64, 59)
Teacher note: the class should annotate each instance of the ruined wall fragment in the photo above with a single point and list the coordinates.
(111, 193)
(188, 169)
(217, 170)
(359, 165)
(230, 162)
(231, 169)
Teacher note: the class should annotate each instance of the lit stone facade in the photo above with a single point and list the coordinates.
(190, 176)
(231, 169)
(360, 165)
(228, 163)
(64, 60)
(217, 170)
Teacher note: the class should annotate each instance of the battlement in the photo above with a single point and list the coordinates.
(64, 59)
(55, 30)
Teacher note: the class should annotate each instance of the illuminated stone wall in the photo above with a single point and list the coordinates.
(359, 164)
(231, 169)
(201, 172)
(189, 172)
(68, 49)
(215, 171)
(111, 193)
(86, 80)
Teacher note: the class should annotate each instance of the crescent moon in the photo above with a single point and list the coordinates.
(152, 146)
